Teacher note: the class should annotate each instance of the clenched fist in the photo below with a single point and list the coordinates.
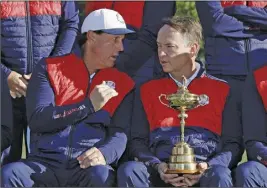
(101, 94)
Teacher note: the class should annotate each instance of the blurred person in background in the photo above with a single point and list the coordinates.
(31, 30)
(235, 35)
(254, 172)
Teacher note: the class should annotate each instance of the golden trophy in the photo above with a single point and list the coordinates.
(182, 159)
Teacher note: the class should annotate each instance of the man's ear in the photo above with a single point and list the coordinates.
(194, 49)
(91, 36)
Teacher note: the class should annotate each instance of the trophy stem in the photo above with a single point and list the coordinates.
(182, 116)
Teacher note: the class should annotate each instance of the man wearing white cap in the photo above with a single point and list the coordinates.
(72, 109)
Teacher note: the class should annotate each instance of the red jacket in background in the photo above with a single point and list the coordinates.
(131, 11)
(261, 4)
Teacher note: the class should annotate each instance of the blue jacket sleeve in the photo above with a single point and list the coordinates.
(5, 71)
(231, 139)
(115, 145)
(254, 16)
(68, 28)
(140, 134)
(42, 113)
(140, 50)
(254, 123)
(216, 23)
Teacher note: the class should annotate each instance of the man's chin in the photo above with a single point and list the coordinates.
(112, 64)
(166, 70)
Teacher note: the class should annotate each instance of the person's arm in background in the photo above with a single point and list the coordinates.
(142, 48)
(140, 134)
(254, 16)
(254, 122)
(68, 29)
(231, 137)
(216, 23)
(42, 113)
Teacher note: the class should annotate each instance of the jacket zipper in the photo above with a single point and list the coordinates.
(246, 53)
(29, 62)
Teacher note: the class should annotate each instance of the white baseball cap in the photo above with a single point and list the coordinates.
(106, 20)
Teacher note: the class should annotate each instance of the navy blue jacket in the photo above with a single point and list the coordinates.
(155, 147)
(235, 37)
(32, 30)
(254, 122)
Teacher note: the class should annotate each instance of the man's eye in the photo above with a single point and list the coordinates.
(117, 39)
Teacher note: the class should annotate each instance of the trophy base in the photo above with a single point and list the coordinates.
(177, 171)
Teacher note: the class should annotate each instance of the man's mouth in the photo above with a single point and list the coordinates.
(163, 62)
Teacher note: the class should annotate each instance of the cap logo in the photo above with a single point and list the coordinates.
(120, 19)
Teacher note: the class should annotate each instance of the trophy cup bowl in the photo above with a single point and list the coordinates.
(182, 159)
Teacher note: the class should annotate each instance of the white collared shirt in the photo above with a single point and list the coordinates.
(91, 77)
(189, 80)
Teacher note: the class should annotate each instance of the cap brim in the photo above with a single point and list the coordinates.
(119, 31)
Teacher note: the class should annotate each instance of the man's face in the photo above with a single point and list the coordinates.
(106, 47)
(173, 51)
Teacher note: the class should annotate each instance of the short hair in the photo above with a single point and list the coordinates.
(187, 26)
(83, 37)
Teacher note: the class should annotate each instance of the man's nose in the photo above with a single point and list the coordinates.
(120, 46)
(161, 53)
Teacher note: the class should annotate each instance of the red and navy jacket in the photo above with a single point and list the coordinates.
(235, 28)
(255, 115)
(156, 128)
(32, 30)
(61, 117)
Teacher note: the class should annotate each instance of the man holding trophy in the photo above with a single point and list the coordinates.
(183, 133)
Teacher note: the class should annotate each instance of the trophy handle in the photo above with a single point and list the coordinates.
(165, 96)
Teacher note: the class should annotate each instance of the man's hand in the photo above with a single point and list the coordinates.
(101, 94)
(17, 84)
(27, 77)
(190, 179)
(173, 179)
(91, 157)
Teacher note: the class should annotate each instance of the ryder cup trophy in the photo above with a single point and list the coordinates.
(182, 159)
